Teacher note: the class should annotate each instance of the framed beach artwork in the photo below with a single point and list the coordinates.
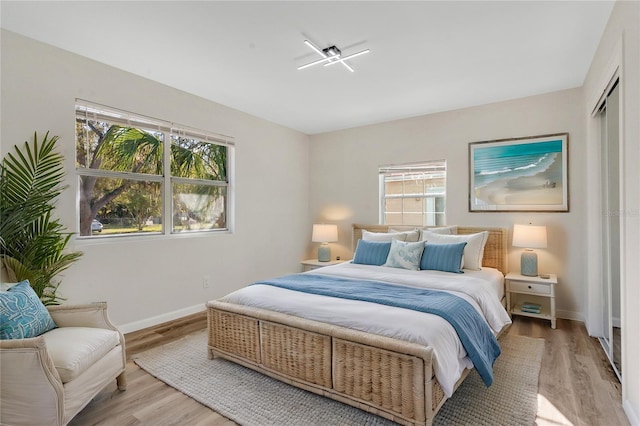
(522, 174)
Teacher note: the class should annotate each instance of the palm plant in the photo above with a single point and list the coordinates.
(32, 241)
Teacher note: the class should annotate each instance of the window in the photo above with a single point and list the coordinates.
(138, 175)
(413, 194)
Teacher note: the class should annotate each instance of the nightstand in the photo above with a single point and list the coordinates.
(311, 264)
(535, 290)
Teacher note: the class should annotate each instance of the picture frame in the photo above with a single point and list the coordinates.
(527, 174)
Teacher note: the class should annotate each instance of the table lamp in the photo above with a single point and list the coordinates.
(324, 234)
(529, 237)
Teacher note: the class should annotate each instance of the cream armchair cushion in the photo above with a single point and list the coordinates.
(48, 379)
(74, 349)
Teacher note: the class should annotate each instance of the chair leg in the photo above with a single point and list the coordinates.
(121, 381)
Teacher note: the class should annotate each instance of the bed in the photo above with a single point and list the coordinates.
(398, 378)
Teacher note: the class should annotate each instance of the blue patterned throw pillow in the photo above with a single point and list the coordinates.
(22, 314)
(443, 257)
(405, 255)
(371, 252)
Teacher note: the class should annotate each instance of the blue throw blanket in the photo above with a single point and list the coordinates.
(474, 333)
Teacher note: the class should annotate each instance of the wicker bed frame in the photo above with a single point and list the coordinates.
(384, 376)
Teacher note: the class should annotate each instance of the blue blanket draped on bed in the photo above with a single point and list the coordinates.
(474, 333)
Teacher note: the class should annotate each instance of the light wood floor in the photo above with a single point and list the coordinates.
(577, 385)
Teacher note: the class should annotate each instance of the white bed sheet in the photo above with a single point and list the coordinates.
(450, 358)
(492, 275)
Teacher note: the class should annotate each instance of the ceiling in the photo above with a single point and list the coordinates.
(426, 56)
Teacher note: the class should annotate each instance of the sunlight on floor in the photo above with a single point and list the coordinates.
(548, 414)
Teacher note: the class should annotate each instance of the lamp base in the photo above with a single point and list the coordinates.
(324, 253)
(529, 263)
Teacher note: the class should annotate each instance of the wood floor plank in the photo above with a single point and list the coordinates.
(555, 383)
(577, 386)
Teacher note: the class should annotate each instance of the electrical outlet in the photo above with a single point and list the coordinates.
(205, 281)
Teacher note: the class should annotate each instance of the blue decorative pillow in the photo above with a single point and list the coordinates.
(405, 255)
(22, 314)
(443, 257)
(371, 252)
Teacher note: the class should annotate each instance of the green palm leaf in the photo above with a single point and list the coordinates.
(131, 150)
(33, 242)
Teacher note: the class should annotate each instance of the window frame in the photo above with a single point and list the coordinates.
(432, 166)
(113, 116)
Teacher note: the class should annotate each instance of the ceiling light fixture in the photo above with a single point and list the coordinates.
(330, 56)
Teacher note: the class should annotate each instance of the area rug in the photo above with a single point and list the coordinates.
(253, 399)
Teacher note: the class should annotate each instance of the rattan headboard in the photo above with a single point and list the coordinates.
(495, 251)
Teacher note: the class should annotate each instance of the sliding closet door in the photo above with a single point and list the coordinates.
(606, 290)
(613, 145)
(610, 167)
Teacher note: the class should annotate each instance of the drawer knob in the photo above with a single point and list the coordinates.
(529, 286)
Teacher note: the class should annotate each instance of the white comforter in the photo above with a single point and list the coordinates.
(427, 329)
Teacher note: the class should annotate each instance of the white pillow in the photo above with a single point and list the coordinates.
(443, 230)
(413, 236)
(405, 255)
(473, 251)
(383, 236)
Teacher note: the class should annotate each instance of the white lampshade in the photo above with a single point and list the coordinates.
(529, 236)
(324, 233)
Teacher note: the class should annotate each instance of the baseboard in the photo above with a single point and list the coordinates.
(159, 319)
(576, 316)
(634, 418)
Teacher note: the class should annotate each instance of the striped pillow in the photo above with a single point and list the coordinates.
(372, 252)
(474, 250)
(443, 257)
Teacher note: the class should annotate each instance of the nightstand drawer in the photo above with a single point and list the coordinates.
(306, 268)
(522, 287)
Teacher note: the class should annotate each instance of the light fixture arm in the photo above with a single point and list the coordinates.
(319, 61)
(342, 60)
(316, 48)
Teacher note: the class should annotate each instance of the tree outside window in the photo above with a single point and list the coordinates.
(127, 187)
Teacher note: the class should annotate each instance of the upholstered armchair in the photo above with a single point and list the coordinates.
(47, 380)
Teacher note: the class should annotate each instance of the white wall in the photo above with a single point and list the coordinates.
(344, 176)
(619, 48)
(146, 280)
